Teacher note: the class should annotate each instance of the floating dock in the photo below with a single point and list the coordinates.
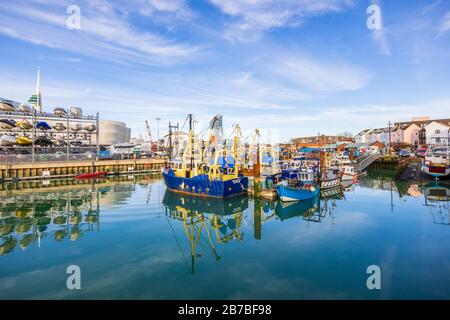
(57, 170)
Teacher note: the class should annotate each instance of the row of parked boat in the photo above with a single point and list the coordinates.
(24, 124)
(11, 106)
(10, 140)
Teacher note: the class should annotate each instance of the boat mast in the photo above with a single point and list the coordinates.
(191, 140)
(238, 133)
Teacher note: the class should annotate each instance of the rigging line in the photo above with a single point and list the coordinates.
(176, 239)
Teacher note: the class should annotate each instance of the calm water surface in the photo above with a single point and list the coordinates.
(134, 240)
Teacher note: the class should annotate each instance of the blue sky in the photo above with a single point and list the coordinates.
(291, 67)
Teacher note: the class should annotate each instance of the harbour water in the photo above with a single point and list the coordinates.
(132, 239)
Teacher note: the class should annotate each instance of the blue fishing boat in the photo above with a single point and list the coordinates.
(303, 191)
(221, 179)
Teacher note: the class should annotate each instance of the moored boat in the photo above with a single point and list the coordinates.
(437, 162)
(330, 179)
(301, 192)
(7, 124)
(194, 177)
(60, 112)
(59, 127)
(92, 175)
(90, 127)
(24, 141)
(76, 127)
(349, 173)
(42, 125)
(7, 106)
(43, 141)
(24, 124)
(7, 141)
(25, 108)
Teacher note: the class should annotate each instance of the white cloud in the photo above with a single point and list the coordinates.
(252, 17)
(105, 32)
(320, 76)
(445, 25)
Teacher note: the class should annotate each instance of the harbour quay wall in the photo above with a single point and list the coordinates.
(53, 170)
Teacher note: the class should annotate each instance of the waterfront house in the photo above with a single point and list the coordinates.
(363, 136)
(410, 133)
(437, 132)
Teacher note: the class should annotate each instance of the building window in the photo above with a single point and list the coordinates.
(437, 131)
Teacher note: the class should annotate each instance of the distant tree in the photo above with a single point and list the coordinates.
(346, 134)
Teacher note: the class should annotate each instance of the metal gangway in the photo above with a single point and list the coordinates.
(364, 161)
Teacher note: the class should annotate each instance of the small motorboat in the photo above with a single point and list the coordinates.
(42, 125)
(24, 124)
(60, 112)
(7, 105)
(43, 141)
(76, 112)
(25, 108)
(59, 127)
(90, 127)
(7, 124)
(7, 141)
(76, 143)
(24, 141)
(302, 192)
(76, 127)
(91, 175)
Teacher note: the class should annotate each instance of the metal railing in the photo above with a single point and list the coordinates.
(28, 158)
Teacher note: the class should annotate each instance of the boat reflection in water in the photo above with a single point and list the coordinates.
(437, 199)
(59, 209)
(28, 218)
(206, 220)
(312, 210)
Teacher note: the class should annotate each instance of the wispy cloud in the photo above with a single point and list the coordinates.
(252, 17)
(445, 25)
(319, 75)
(105, 32)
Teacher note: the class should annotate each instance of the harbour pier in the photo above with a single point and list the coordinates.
(54, 170)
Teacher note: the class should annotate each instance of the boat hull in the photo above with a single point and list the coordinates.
(205, 187)
(91, 175)
(349, 177)
(437, 171)
(330, 183)
(288, 194)
(4, 106)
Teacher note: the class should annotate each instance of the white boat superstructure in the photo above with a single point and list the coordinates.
(349, 172)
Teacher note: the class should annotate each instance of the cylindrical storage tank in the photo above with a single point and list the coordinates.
(112, 132)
